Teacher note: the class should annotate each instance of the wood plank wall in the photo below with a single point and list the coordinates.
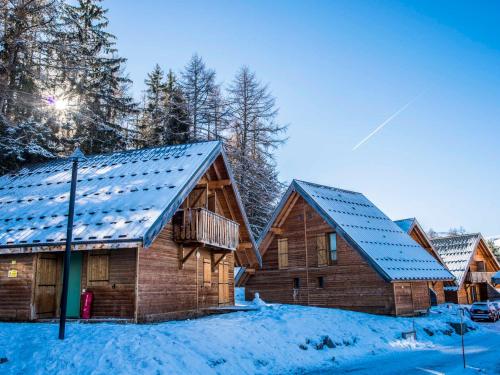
(437, 286)
(464, 294)
(411, 297)
(167, 292)
(16, 293)
(350, 284)
(114, 298)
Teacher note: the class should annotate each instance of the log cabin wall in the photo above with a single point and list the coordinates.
(167, 292)
(351, 283)
(436, 286)
(16, 293)
(114, 293)
(471, 292)
(411, 297)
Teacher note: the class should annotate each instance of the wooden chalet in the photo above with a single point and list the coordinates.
(415, 230)
(473, 264)
(157, 233)
(332, 247)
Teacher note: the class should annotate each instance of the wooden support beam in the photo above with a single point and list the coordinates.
(276, 230)
(244, 245)
(183, 258)
(216, 184)
(216, 262)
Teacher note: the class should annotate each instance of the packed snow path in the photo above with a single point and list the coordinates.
(275, 339)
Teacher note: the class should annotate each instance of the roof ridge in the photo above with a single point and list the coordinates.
(328, 187)
(88, 158)
(457, 236)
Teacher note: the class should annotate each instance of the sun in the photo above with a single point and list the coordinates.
(61, 104)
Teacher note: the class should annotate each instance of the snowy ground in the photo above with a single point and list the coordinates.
(274, 339)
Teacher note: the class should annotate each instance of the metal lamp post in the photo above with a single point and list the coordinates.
(75, 157)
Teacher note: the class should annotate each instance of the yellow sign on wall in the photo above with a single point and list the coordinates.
(12, 273)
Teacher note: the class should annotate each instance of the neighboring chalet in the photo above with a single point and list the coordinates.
(331, 247)
(471, 261)
(413, 228)
(156, 235)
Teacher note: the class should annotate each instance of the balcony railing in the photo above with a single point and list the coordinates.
(201, 226)
(480, 277)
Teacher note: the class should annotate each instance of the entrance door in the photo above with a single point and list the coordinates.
(223, 282)
(46, 286)
(483, 292)
(433, 297)
(75, 276)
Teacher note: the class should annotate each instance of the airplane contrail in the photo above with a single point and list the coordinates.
(378, 128)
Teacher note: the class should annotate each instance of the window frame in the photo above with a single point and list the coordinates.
(282, 253)
(207, 276)
(91, 278)
(330, 250)
(296, 283)
(322, 253)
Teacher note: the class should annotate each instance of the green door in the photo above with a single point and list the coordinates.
(75, 276)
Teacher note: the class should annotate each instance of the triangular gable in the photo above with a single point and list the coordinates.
(458, 252)
(411, 225)
(125, 196)
(382, 243)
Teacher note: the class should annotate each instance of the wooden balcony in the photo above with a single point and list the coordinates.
(201, 227)
(480, 277)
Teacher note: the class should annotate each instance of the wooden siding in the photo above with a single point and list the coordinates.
(411, 297)
(349, 283)
(16, 293)
(437, 286)
(114, 297)
(167, 292)
(472, 292)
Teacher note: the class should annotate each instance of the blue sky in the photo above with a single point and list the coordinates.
(341, 68)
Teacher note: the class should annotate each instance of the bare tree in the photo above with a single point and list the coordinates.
(198, 84)
(253, 136)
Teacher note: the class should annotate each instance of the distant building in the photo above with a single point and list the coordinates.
(413, 228)
(471, 261)
(334, 248)
(156, 235)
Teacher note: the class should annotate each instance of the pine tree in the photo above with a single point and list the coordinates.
(164, 118)
(97, 83)
(27, 130)
(178, 115)
(154, 116)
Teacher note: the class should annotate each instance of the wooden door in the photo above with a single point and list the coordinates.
(46, 286)
(223, 283)
(404, 298)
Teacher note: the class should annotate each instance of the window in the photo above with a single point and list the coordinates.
(207, 273)
(283, 252)
(333, 247)
(480, 266)
(321, 282)
(321, 247)
(98, 267)
(296, 283)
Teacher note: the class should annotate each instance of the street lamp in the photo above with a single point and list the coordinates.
(75, 157)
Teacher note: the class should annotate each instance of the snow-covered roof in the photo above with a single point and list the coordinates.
(391, 251)
(456, 252)
(121, 197)
(409, 224)
(406, 224)
(496, 277)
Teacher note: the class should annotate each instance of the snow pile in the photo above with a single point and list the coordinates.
(274, 339)
(257, 301)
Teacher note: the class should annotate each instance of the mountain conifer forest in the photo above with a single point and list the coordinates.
(64, 84)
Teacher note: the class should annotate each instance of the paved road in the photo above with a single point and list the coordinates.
(482, 356)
